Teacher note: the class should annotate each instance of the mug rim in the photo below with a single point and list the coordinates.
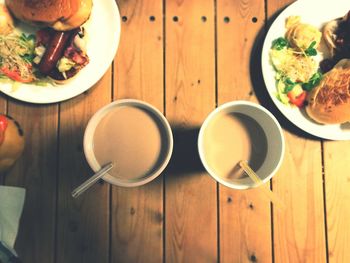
(209, 118)
(95, 120)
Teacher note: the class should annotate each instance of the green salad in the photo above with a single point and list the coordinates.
(17, 51)
(293, 58)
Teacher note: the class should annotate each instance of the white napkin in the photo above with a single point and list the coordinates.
(11, 206)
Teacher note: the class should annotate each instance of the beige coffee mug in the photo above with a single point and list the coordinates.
(240, 130)
(128, 145)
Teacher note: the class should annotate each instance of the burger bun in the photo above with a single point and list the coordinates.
(61, 15)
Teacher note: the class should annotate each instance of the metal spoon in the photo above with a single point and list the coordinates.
(92, 180)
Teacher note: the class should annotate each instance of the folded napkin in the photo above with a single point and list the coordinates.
(11, 206)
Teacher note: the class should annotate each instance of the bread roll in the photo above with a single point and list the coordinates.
(11, 142)
(61, 15)
(329, 102)
(6, 21)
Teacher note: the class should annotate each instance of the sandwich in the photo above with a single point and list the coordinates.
(61, 15)
(60, 51)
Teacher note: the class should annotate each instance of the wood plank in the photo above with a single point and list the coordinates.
(245, 217)
(3, 104)
(3, 110)
(82, 223)
(137, 213)
(238, 26)
(36, 172)
(191, 211)
(337, 180)
(299, 232)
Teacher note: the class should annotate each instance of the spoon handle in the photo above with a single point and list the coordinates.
(91, 181)
(271, 195)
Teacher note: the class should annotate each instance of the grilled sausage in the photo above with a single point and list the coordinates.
(54, 50)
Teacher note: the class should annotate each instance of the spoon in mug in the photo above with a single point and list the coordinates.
(256, 179)
(92, 180)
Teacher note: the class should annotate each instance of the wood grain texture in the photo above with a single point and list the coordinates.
(137, 213)
(3, 104)
(36, 172)
(191, 212)
(299, 232)
(3, 110)
(238, 26)
(245, 221)
(82, 223)
(337, 182)
(196, 220)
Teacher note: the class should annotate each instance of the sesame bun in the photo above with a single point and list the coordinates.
(329, 101)
(6, 21)
(62, 15)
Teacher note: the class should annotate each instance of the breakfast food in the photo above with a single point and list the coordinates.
(6, 21)
(316, 81)
(16, 51)
(58, 14)
(293, 59)
(11, 142)
(60, 55)
(329, 102)
(336, 34)
(301, 35)
(56, 51)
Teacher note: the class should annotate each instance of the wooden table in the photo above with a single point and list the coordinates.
(184, 57)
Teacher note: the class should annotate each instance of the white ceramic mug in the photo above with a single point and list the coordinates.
(275, 144)
(166, 142)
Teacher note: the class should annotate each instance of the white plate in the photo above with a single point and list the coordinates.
(315, 13)
(103, 31)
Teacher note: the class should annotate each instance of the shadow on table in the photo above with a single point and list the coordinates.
(259, 84)
(185, 158)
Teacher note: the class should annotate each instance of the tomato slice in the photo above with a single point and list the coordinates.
(15, 75)
(297, 100)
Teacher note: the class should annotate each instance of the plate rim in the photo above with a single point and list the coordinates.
(287, 113)
(115, 42)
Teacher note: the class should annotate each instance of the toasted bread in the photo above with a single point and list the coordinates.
(329, 101)
(61, 15)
